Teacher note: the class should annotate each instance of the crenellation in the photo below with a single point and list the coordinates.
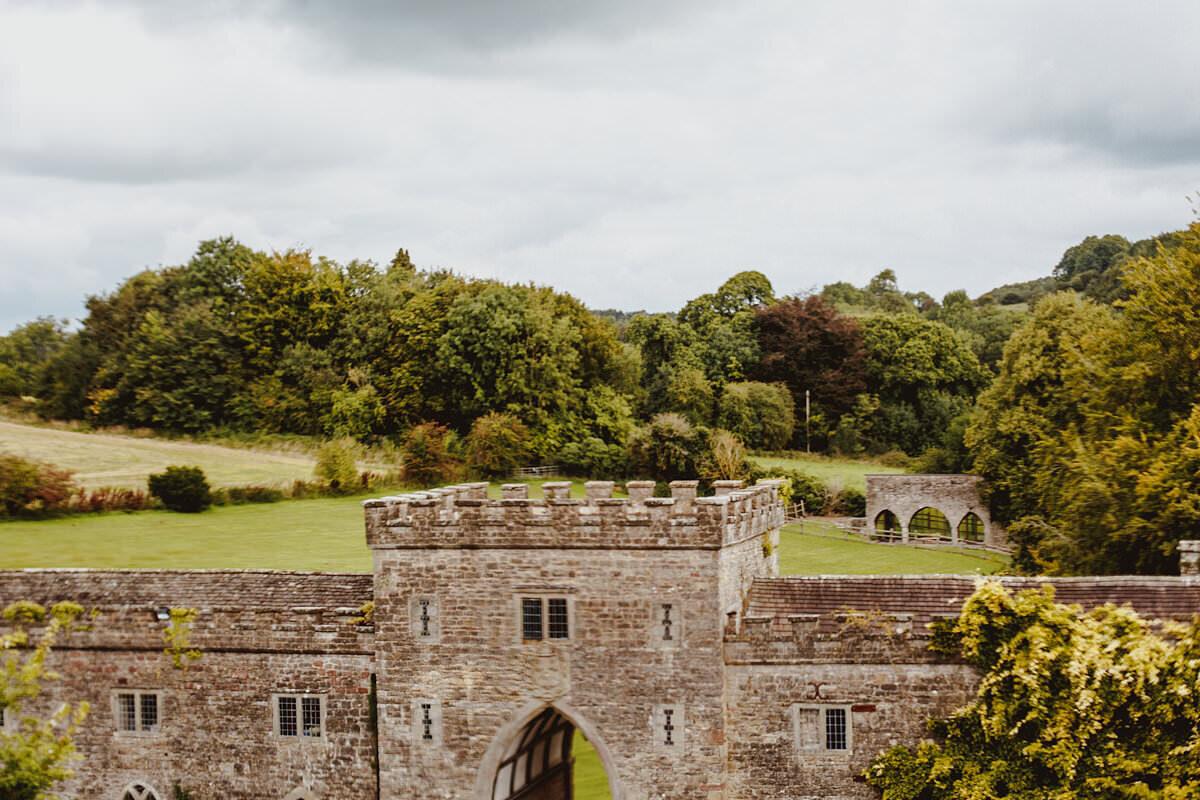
(639, 491)
(598, 521)
(598, 490)
(557, 490)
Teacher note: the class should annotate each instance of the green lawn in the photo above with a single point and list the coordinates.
(319, 534)
(806, 554)
(850, 474)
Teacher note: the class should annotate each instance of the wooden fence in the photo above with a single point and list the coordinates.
(537, 472)
(794, 517)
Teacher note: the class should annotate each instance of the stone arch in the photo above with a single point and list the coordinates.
(515, 731)
(971, 528)
(953, 495)
(301, 792)
(929, 521)
(887, 521)
(139, 790)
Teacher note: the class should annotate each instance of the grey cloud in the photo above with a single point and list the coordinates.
(1136, 138)
(108, 161)
(435, 36)
(1115, 83)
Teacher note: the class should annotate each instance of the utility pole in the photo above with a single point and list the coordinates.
(807, 446)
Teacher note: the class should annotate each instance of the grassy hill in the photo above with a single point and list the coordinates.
(843, 472)
(101, 459)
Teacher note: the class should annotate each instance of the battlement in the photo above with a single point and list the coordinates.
(847, 636)
(462, 516)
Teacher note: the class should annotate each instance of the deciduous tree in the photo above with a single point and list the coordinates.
(808, 346)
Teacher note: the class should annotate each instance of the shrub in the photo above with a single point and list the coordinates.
(497, 444)
(850, 502)
(108, 498)
(240, 495)
(726, 457)
(182, 489)
(28, 488)
(667, 448)
(427, 458)
(592, 458)
(336, 464)
(895, 458)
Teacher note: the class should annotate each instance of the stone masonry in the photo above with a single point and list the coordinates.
(955, 496)
(657, 627)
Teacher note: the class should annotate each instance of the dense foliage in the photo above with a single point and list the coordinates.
(497, 444)
(1070, 705)
(182, 489)
(28, 488)
(337, 465)
(1088, 436)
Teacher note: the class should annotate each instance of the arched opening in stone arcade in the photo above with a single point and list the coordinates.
(887, 522)
(546, 758)
(928, 521)
(970, 529)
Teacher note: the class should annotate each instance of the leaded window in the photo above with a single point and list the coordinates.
(136, 712)
(300, 716)
(822, 727)
(545, 618)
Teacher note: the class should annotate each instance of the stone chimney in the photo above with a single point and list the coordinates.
(1189, 557)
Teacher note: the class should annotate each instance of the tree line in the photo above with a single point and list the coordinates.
(243, 340)
(1077, 406)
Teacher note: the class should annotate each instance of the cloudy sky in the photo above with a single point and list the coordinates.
(634, 154)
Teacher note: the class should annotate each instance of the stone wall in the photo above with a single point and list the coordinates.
(953, 495)
(261, 634)
(885, 703)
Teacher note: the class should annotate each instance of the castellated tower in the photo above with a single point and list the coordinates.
(502, 625)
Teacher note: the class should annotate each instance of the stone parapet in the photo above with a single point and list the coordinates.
(462, 517)
(846, 637)
(236, 610)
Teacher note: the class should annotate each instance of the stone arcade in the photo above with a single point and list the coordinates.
(655, 626)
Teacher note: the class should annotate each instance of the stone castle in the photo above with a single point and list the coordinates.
(491, 630)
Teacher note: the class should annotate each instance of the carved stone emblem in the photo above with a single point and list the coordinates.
(548, 668)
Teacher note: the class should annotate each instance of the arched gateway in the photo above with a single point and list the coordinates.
(531, 759)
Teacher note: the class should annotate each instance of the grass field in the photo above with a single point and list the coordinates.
(849, 474)
(319, 534)
(125, 461)
(805, 554)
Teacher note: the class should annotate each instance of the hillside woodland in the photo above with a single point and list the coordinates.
(1075, 395)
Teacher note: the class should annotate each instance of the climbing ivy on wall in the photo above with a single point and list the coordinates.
(1070, 705)
(177, 637)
